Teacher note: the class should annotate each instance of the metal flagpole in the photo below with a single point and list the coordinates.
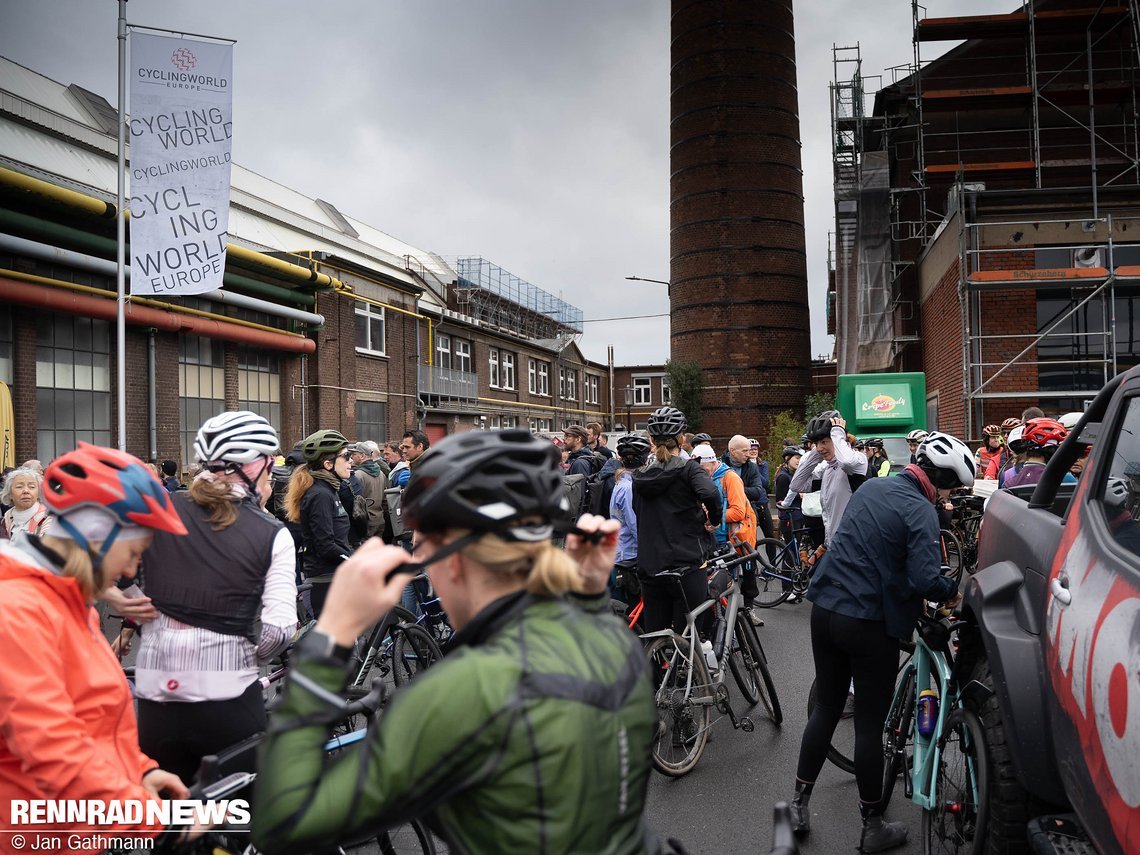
(121, 238)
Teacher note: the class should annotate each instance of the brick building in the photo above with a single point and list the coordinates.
(984, 234)
(323, 321)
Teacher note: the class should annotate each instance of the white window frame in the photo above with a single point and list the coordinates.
(507, 369)
(493, 364)
(461, 354)
(442, 351)
(642, 391)
(592, 389)
(544, 379)
(367, 310)
(532, 379)
(666, 392)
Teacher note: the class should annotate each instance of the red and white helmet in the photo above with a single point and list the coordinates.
(1044, 433)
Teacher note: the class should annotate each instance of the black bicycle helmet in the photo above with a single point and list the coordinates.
(633, 446)
(820, 427)
(508, 482)
(874, 442)
(791, 451)
(702, 437)
(667, 422)
(321, 444)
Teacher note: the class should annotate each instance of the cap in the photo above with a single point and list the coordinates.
(703, 453)
(359, 448)
(576, 430)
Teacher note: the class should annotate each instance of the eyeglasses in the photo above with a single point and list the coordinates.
(345, 455)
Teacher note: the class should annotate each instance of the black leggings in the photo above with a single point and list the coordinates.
(663, 606)
(177, 735)
(846, 648)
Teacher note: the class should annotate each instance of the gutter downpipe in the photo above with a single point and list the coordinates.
(151, 397)
(121, 238)
(58, 255)
(99, 244)
(613, 415)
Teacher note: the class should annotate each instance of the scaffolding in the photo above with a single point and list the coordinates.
(497, 297)
(1048, 103)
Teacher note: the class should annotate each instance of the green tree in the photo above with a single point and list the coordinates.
(816, 403)
(785, 426)
(686, 389)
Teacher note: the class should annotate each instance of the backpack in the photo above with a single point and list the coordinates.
(393, 496)
(597, 496)
(575, 490)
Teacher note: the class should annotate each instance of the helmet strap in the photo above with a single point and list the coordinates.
(78, 537)
(445, 551)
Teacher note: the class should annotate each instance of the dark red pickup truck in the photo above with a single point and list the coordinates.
(1057, 602)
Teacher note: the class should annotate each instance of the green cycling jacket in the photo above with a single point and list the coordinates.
(533, 735)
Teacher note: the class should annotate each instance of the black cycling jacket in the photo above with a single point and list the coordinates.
(324, 526)
(670, 501)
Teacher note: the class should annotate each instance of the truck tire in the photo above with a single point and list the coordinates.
(1010, 806)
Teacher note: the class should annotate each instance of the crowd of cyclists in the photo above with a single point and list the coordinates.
(533, 733)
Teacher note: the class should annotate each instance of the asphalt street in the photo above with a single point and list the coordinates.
(725, 804)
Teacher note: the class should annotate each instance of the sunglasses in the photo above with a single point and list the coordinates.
(345, 455)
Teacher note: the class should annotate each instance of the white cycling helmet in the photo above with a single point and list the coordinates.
(1069, 420)
(917, 436)
(1116, 492)
(237, 437)
(951, 457)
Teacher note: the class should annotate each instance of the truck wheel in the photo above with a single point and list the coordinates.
(1010, 806)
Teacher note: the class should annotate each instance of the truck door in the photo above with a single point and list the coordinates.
(1093, 633)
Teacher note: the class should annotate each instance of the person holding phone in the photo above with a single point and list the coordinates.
(532, 734)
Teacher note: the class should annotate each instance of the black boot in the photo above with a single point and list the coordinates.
(801, 816)
(878, 834)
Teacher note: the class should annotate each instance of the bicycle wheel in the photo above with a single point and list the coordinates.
(841, 751)
(684, 708)
(774, 591)
(407, 838)
(413, 651)
(897, 735)
(957, 823)
(766, 687)
(952, 561)
(743, 666)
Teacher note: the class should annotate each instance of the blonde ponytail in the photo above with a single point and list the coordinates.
(666, 448)
(299, 483)
(544, 569)
(77, 565)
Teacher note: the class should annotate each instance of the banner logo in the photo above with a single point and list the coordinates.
(883, 404)
(184, 59)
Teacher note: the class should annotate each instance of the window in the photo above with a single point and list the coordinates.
(370, 328)
(73, 383)
(493, 363)
(503, 422)
(538, 374)
(666, 392)
(591, 390)
(1119, 495)
(532, 379)
(6, 339)
(568, 384)
(259, 383)
(642, 390)
(201, 386)
(442, 351)
(371, 420)
(507, 365)
(462, 355)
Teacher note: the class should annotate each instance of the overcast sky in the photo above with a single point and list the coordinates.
(534, 133)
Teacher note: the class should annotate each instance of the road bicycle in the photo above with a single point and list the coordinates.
(685, 692)
(395, 651)
(787, 573)
(966, 524)
(953, 560)
(933, 739)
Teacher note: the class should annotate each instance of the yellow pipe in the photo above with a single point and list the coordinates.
(345, 291)
(143, 301)
(55, 193)
(91, 205)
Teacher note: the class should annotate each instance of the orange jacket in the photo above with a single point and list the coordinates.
(67, 722)
(738, 509)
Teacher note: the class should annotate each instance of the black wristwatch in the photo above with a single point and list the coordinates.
(325, 645)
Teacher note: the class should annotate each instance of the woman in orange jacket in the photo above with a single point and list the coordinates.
(67, 724)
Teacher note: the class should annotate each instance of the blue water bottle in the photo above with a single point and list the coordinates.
(927, 712)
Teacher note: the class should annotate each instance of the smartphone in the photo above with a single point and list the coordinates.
(133, 592)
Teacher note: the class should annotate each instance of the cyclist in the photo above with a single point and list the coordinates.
(990, 449)
(532, 735)
(677, 505)
(995, 466)
(314, 502)
(790, 518)
(1041, 437)
(877, 459)
(914, 439)
(226, 596)
(868, 592)
(845, 468)
(68, 726)
(633, 451)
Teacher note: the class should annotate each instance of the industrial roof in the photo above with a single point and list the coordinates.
(56, 138)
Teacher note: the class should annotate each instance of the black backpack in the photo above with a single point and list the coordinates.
(599, 488)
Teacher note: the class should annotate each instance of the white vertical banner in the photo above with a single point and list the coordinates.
(181, 129)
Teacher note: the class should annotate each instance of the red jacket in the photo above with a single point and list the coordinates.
(67, 722)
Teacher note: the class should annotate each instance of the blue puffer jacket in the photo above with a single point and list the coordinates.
(884, 559)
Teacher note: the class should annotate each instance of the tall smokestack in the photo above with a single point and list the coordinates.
(738, 269)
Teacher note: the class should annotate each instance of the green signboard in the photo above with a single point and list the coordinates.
(883, 403)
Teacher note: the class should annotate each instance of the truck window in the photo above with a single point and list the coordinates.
(1119, 495)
